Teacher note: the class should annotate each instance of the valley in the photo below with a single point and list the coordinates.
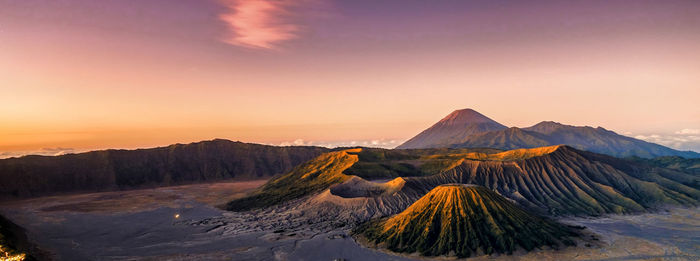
(140, 225)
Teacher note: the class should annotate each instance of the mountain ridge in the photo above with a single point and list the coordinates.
(456, 125)
(545, 133)
(108, 170)
(555, 180)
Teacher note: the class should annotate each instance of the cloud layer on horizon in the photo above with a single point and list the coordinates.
(685, 139)
(41, 152)
(376, 143)
(261, 24)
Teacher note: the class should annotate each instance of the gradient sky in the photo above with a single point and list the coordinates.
(77, 75)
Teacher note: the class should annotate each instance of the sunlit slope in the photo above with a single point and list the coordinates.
(453, 128)
(310, 177)
(554, 180)
(336, 167)
(563, 180)
(464, 220)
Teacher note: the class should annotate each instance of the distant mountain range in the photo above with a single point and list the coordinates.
(469, 129)
(106, 170)
(453, 129)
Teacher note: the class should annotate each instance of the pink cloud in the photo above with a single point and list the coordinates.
(259, 23)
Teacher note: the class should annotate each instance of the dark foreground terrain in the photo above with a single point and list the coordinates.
(142, 225)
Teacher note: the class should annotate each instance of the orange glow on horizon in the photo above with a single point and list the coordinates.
(80, 78)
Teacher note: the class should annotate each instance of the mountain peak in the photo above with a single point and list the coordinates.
(456, 126)
(465, 116)
(549, 123)
(450, 220)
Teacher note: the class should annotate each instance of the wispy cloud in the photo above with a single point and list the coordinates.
(260, 23)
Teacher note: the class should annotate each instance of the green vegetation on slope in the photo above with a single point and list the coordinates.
(464, 220)
(335, 167)
(691, 166)
(311, 177)
(555, 180)
(567, 181)
(384, 164)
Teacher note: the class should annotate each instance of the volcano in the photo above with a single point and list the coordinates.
(465, 220)
(455, 127)
(470, 129)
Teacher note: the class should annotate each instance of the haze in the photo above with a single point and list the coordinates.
(80, 74)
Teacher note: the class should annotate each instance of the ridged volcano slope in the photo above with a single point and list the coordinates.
(313, 176)
(555, 180)
(464, 220)
(336, 167)
(570, 182)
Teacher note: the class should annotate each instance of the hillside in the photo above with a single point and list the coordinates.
(206, 161)
(464, 220)
(567, 181)
(337, 167)
(691, 166)
(554, 180)
(310, 177)
(454, 127)
(508, 139)
(546, 133)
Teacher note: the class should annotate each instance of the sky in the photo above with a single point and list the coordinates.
(79, 75)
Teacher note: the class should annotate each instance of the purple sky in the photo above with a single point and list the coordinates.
(82, 74)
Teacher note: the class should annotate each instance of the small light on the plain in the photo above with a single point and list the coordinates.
(177, 215)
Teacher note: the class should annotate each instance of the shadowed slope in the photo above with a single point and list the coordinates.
(455, 127)
(109, 170)
(691, 166)
(311, 177)
(464, 220)
(470, 129)
(603, 141)
(597, 140)
(555, 180)
(568, 181)
(361, 163)
(508, 139)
